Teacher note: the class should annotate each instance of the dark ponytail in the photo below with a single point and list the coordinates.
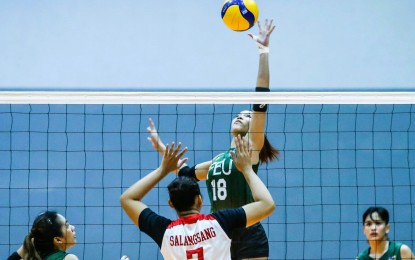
(268, 153)
(29, 248)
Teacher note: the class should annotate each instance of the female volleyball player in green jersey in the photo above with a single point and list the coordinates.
(51, 235)
(225, 184)
(376, 228)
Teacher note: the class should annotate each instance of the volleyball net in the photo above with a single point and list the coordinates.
(77, 152)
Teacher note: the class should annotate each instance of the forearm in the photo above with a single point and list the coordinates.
(131, 199)
(264, 204)
(18, 254)
(199, 171)
(263, 78)
(259, 191)
(15, 256)
(256, 128)
(160, 147)
(138, 190)
(202, 170)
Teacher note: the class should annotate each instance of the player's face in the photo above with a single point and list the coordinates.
(375, 228)
(240, 124)
(68, 233)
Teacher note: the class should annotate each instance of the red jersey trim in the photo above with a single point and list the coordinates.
(190, 220)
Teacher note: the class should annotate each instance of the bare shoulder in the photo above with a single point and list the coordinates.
(71, 257)
(406, 252)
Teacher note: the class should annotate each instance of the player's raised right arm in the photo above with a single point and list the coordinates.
(264, 204)
(257, 126)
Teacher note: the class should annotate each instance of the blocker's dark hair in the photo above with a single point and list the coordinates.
(183, 191)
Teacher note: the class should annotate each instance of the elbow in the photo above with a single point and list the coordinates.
(272, 207)
(123, 199)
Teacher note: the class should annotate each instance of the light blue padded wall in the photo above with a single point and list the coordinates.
(336, 160)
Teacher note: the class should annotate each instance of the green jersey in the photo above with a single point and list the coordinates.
(394, 252)
(226, 185)
(57, 255)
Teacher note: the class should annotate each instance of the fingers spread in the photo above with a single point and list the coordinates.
(270, 31)
(166, 152)
(259, 26)
(182, 152)
(177, 149)
(171, 150)
(269, 25)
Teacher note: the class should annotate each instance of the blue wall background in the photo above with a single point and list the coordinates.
(153, 45)
(336, 161)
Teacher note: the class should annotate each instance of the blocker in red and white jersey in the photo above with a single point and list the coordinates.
(197, 236)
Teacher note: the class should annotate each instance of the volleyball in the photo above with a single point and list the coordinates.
(239, 15)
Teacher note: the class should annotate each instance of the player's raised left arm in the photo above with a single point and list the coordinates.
(131, 198)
